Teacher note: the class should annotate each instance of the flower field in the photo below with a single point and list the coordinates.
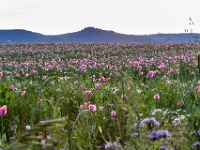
(133, 96)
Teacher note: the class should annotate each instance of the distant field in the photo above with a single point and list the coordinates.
(131, 96)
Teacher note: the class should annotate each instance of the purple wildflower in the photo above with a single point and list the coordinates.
(111, 145)
(150, 122)
(163, 133)
(88, 93)
(153, 136)
(196, 145)
(162, 66)
(171, 71)
(163, 148)
(92, 108)
(150, 74)
(109, 105)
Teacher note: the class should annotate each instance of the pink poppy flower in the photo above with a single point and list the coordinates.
(3, 111)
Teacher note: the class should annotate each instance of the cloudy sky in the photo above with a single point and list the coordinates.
(52, 17)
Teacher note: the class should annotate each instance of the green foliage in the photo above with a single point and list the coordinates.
(57, 108)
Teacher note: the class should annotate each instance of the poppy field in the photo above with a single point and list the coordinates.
(97, 96)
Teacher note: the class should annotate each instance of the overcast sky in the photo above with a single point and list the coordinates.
(123, 16)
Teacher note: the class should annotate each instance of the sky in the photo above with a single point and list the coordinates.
(53, 17)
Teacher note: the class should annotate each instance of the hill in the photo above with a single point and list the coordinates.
(90, 34)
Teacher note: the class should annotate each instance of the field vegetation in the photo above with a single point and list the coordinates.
(133, 96)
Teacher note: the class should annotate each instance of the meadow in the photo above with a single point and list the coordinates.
(96, 96)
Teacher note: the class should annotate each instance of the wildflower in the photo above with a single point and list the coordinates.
(17, 75)
(44, 77)
(162, 66)
(179, 103)
(87, 103)
(198, 88)
(23, 93)
(116, 91)
(108, 79)
(84, 70)
(52, 83)
(102, 79)
(81, 106)
(97, 87)
(109, 105)
(150, 74)
(75, 82)
(156, 96)
(196, 145)
(93, 78)
(28, 127)
(113, 113)
(139, 68)
(11, 138)
(92, 108)
(171, 71)
(13, 128)
(176, 123)
(124, 96)
(153, 136)
(111, 145)
(50, 68)
(3, 111)
(136, 125)
(1, 74)
(100, 109)
(163, 133)
(157, 111)
(12, 88)
(129, 89)
(32, 71)
(150, 122)
(132, 65)
(40, 101)
(192, 73)
(135, 134)
(141, 73)
(88, 93)
(163, 148)
(26, 75)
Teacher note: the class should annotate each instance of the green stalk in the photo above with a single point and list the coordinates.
(1, 127)
(199, 63)
(2, 130)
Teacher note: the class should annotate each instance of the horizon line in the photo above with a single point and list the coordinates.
(99, 29)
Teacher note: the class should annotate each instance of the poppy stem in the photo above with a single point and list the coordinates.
(2, 127)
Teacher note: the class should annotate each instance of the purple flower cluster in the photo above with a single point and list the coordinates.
(109, 105)
(196, 145)
(163, 148)
(113, 145)
(150, 122)
(155, 135)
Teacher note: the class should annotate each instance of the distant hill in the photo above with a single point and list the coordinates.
(90, 34)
